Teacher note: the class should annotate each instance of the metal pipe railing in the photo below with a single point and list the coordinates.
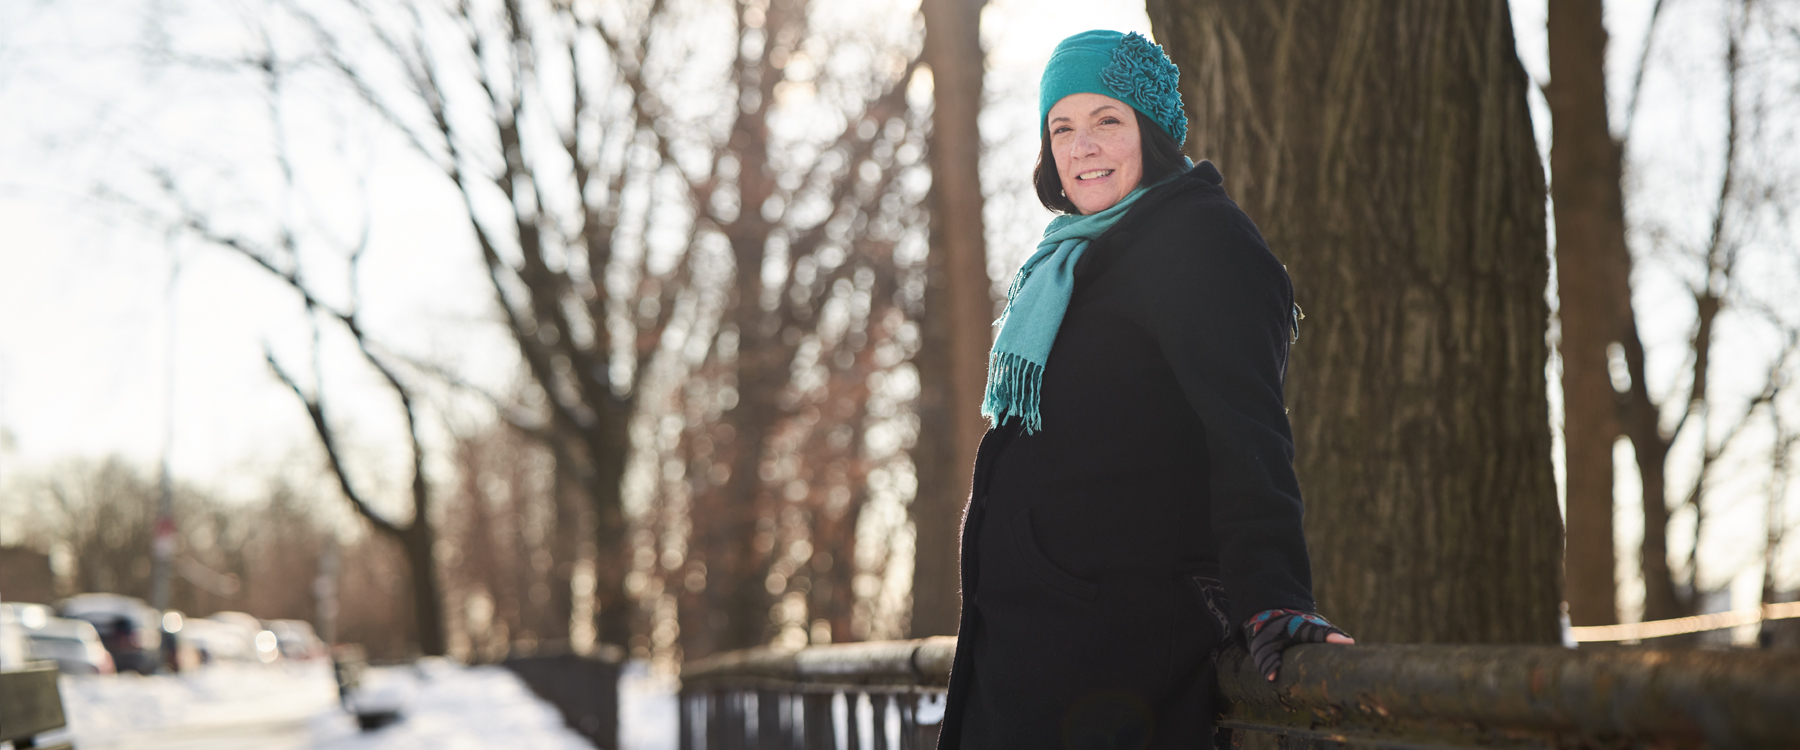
(882, 695)
(889, 695)
(1638, 631)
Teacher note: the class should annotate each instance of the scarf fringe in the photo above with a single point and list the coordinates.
(1013, 386)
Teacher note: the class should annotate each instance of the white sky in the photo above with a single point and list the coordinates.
(84, 285)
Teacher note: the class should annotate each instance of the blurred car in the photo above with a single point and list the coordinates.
(73, 644)
(265, 646)
(296, 639)
(29, 615)
(15, 645)
(219, 641)
(130, 629)
(179, 653)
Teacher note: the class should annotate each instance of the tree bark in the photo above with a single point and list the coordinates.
(614, 608)
(419, 541)
(1385, 149)
(1593, 269)
(1641, 419)
(958, 312)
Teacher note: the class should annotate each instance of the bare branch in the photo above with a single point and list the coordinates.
(328, 439)
(1637, 81)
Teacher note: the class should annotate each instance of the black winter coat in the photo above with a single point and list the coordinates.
(1106, 557)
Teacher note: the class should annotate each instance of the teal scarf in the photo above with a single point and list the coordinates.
(1035, 304)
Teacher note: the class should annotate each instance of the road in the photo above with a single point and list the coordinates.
(262, 734)
(295, 706)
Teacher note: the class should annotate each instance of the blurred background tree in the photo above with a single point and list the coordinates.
(727, 240)
(1681, 427)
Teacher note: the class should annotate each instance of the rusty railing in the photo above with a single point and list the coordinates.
(889, 695)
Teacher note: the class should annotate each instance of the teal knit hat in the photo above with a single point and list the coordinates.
(1126, 67)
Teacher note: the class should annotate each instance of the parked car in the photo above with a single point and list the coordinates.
(73, 644)
(219, 641)
(15, 646)
(180, 654)
(29, 615)
(296, 639)
(131, 629)
(265, 645)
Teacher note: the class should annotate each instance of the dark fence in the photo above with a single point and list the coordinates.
(889, 695)
(584, 688)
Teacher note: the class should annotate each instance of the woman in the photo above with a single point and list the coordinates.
(1136, 497)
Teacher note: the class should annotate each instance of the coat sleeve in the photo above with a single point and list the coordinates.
(1219, 306)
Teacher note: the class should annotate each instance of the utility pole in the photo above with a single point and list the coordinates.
(6, 436)
(164, 540)
(325, 587)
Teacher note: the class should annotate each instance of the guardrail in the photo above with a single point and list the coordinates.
(889, 695)
(883, 695)
(1638, 631)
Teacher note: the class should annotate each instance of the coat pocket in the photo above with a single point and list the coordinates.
(1046, 571)
(1212, 594)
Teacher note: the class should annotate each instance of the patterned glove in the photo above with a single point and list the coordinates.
(1272, 631)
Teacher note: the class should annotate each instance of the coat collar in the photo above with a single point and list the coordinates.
(1203, 179)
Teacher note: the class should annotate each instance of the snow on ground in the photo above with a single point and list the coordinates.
(449, 706)
(647, 710)
(108, 711)
(294, 706)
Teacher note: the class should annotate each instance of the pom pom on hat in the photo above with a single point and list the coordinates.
(1127, 67)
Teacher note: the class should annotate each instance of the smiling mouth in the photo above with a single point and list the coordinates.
(1093, 175)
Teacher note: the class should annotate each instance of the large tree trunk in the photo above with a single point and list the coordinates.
(419, 541)
(564, 542)
(1385, 149)
(959, 310)
(732, 610)
(1593, 283)
(613, 604)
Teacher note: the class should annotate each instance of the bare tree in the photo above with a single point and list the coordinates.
(373, 601)
(282, 546)
(415, 535)
(256, 555)
(501, 527)
(575, 268)
(1782, 450)
(804, 221)
(634, 195)
(103, 512)
(547, 112)
(1602, 344)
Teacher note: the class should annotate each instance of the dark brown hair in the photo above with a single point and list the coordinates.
(1162, 157)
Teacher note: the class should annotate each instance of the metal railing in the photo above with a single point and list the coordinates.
(884, 695)
(1638, 631)
(889, 695)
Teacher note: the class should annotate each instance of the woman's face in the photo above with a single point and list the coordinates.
(1099, 157)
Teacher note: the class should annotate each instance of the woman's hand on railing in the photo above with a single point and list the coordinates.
(1270, 632)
